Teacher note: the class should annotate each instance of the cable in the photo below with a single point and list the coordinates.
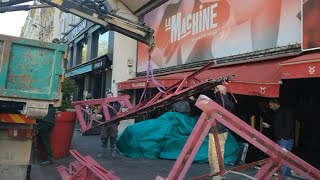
(21, 8)
(241, 174)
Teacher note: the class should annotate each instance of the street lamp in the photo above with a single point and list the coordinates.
(35, 25)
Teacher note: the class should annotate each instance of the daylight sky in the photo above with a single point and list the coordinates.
(12, 22)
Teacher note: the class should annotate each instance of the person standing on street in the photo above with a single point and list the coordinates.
(220, 96)
(44, 127)
(109, 131)
(283, 129)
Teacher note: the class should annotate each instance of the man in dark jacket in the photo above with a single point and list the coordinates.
(219, 96)
(283, 128)
(44, 127)
(110, 130)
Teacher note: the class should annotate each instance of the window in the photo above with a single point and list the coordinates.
(84, 52)
(70, 58)
(103, 43)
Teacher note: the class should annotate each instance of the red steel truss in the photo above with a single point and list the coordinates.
(189, 86)
(85, 168)
(212, 112)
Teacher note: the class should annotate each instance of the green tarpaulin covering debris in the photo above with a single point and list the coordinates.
(165, 137)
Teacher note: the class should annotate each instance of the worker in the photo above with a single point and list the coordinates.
(109, 131)
(44, 127)
(220, 96)
(283, 126)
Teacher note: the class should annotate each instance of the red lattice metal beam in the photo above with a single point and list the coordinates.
(189, 86)
(85, 168)
(212, 112)
(88, 112)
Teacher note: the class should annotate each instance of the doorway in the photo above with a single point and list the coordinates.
(303, 96)
(97, 84)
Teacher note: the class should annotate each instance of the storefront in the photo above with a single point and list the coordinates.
(190, 34)
(89, 59)
(259, 43)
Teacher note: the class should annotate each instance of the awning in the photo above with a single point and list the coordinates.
(305, 66)
(97, 63)
(80, 70)
(255, 79)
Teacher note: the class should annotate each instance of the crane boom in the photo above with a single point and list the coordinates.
(94, 11)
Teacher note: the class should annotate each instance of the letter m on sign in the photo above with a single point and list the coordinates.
(176, 27)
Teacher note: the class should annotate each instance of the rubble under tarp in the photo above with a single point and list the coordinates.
(165, 136)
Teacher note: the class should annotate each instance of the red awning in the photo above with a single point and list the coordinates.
(255, 79)
(305, 66)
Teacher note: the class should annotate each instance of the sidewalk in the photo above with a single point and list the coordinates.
(124, 167)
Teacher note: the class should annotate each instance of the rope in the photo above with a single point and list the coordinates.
(158, 85)
(150, 78)
(234, 98)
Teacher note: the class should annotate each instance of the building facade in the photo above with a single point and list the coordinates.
(98, 59)
(263, 44)
(42, 24)
(91, 49)
(29, 29)
(260, 43)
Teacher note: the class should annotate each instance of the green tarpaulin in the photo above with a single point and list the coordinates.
(165, 137)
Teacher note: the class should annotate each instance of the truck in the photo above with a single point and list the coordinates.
(31, 73)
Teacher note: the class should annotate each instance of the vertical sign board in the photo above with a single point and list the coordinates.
(188, 31)
(310, 25)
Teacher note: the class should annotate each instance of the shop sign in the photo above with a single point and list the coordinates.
(98, 65)
(81, 26)
(78, 71)
(138, 85)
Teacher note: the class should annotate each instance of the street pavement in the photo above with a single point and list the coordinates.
(124, 167)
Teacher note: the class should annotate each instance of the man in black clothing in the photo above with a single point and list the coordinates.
(110, 130)
(283, 129)
(220, 96)
(44, 127)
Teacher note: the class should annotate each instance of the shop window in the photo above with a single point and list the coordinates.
(84, 52)
(103, 43)
(70, 58)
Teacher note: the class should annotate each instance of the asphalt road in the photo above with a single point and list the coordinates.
(124, 167)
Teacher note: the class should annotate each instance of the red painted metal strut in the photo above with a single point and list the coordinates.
(212, 112)
(86, 168)
(88, 112)
(189, 86)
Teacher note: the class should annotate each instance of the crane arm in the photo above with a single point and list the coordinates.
(95, 11)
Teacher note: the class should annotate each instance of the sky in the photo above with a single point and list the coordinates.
(11, 23)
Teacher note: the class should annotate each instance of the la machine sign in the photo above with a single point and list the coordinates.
(188, 31)
(192, 24)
